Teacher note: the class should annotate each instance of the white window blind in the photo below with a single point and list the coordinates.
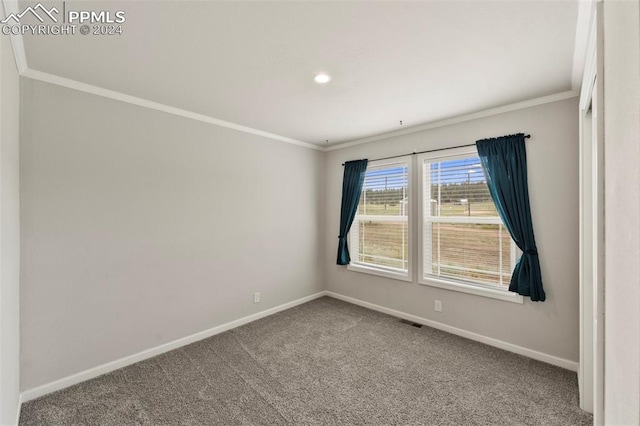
(464, 239)
(379, 236)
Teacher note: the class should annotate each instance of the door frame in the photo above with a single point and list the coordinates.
(591, 224)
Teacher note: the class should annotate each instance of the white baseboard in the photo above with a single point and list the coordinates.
(540, 356)
(65, 382)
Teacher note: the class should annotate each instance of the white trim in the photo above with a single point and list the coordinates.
(19, 410)
(484, 220)
(586, 9)
(586, 372)
(597, 216)
(383, 218)
(118, 96)
(475, 289)
(530, 353)
(461, 118)
(379, 271)
(450, 153)
(63, 383)
(21, 63)
(82, 376)
(589, 67)
(17, 42)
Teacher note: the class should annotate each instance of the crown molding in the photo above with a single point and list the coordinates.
(17, 41)
(111, 94)
(585, 15)
(118, 96)
(460, 119)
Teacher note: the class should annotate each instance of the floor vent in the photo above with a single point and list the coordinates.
(414, 324)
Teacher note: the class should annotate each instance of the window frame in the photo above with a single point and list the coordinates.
(389, 272)
(464, 286)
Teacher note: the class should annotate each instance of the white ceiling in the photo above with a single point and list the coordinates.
(253, 63)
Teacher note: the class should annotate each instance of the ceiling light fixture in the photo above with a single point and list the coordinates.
(322, 78)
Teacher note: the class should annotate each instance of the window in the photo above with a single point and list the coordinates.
(465, 245)
(380, 239)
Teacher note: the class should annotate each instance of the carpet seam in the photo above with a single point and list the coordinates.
(208, 380)
(181, 396)
(250, 385)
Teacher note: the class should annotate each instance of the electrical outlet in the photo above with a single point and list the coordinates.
(438, 305)
(256, 297)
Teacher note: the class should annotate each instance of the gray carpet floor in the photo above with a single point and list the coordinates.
(323, 363)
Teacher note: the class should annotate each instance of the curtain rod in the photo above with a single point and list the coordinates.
(430, 150)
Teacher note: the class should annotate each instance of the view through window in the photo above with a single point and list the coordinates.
(463, 236)
(379, 236)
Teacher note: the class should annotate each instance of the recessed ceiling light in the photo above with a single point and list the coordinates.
(322, 78)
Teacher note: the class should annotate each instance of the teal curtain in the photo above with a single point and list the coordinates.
(352, 181)
(504, 161)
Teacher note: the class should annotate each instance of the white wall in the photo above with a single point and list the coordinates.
(622, 212)
(140, 227)
(550, 327)
(9, 236)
